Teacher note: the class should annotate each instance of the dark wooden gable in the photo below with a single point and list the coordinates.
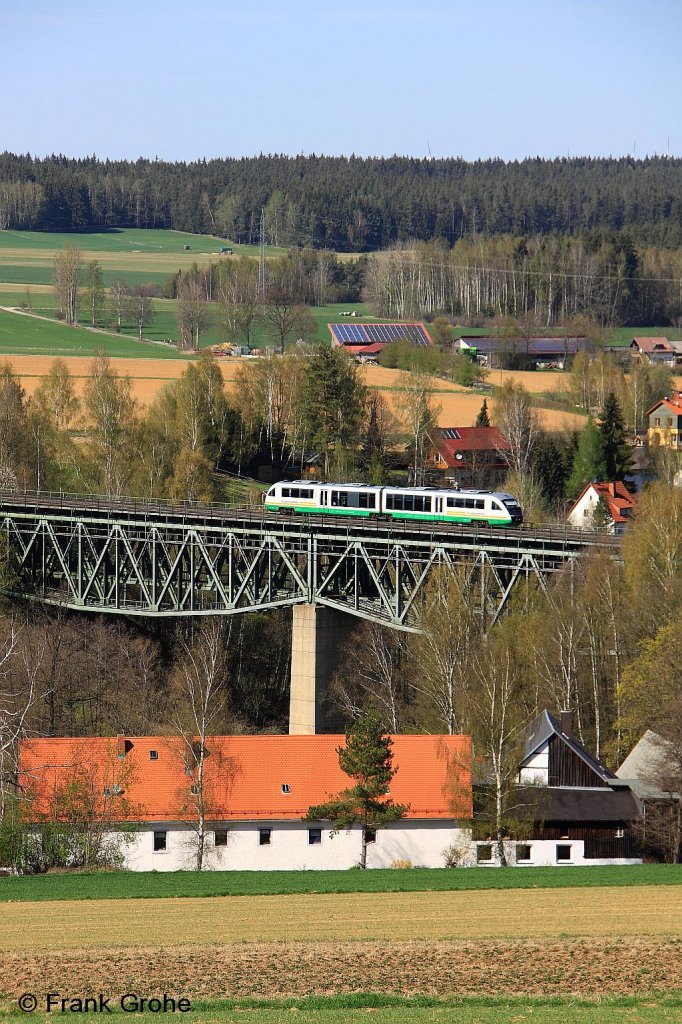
(566, 768)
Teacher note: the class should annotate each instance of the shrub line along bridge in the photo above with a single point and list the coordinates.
(150, 558)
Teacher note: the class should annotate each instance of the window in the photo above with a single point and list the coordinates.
(370, 835)
(160, 842)
(153, 755)
(286, 788)
(264, 836)
(563, 854)
(484, 853)
(524, 853)
(194, 789)
(366, 501)
(339, 499)
(619, 833)
(314, 836)
(657, 421)
(220, 837)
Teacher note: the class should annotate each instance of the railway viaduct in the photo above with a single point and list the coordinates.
(150, 558)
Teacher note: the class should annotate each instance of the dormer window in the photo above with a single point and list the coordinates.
(153, 755)
(286, 788)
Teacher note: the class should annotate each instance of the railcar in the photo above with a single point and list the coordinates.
(426, 504)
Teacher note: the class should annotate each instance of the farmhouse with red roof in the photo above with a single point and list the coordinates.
(257, 790)
(471, 456)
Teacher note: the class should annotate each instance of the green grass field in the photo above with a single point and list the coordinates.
(166, 885)
(23, 335)
(131, 240)
(387, 1009)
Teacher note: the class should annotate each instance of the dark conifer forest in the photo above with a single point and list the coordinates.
(348, 203)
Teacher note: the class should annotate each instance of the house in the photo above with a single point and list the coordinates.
(620, 503)
(653, 770)
(654, 350)
(664, 422)
(471, 456)
(577, 811)
(256, 790)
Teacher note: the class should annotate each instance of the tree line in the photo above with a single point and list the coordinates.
(346, 203)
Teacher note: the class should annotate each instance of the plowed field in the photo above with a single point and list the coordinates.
(458, 406)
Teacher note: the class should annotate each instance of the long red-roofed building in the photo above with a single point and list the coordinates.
(258, 789)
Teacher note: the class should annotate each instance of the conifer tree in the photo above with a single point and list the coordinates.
(367, 759)
(589, 464)
(616, 449)
(483, 418)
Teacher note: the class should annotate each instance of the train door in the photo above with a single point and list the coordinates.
(438, 506)
(323, 498)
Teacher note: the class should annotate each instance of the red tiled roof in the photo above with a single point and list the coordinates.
(674, 404)
(478, 439)
(618, 498)
(649, 345)
(245, 774)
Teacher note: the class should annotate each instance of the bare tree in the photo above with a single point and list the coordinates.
(201, 688)
(420, 418)
(20, 665)
(372, 675)
(67, 268)
(139, 307)
(193, 313)
(517, 420)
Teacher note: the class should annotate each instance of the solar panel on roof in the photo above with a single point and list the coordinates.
(349, 334)
(451, 434)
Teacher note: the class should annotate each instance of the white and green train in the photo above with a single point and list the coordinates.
(427, 504)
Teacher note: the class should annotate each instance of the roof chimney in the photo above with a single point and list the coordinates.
(566, 722)
(120, 746)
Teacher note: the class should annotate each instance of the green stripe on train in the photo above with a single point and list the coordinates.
(422, 516)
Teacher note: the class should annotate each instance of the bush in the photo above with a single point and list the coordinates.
(400, 865)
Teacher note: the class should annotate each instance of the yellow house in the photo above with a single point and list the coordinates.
(664, 422)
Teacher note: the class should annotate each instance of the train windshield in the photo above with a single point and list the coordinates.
(511, 503)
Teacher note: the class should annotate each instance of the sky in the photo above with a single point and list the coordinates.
(462, 78)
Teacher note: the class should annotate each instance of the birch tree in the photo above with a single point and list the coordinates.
(200, 686)
(67, 273)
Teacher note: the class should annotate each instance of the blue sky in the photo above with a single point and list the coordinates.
(470, 78)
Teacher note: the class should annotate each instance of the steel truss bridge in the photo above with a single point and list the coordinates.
(148, 558)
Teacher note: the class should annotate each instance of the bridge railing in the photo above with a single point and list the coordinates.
(195, 511)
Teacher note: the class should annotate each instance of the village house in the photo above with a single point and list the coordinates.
(257, 789)
(664, 422)
(616, 501)
(577, 811)
(655, 350)
(471, 456)
(519, 353)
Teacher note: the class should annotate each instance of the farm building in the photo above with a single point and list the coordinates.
(368, 340)
(471, 456)
(256, 791)
(520, 353)
(578, 812)
(616, 499)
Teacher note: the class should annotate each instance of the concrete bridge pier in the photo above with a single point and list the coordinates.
(318, 636)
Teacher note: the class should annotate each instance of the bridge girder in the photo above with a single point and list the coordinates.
(139, 560)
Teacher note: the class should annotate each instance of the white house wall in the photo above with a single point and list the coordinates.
(535, 771)
(544, 854)
(421, 842)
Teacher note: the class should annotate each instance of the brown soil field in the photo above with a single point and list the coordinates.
(458, 406)
(484, 915)
(603, 967)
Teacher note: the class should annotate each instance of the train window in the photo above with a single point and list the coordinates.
(470, 503)
(390, 501)
(408, 502)
(480, 503)
(366, 501)
(397, 501)
(339, 499)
